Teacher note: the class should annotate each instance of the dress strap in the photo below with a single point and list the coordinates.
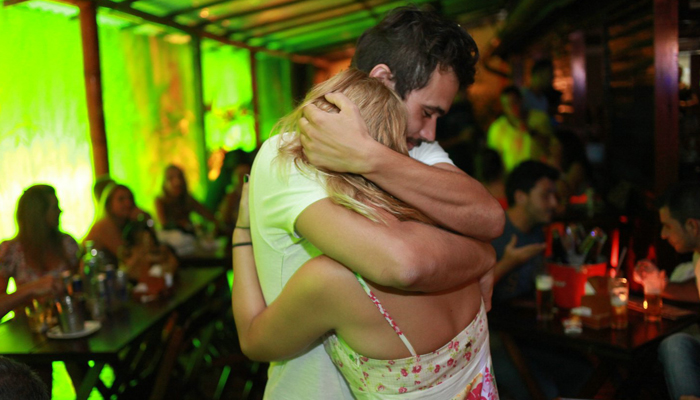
(386, 315)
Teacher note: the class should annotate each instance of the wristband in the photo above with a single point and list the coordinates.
(242, 227)
(242, 244)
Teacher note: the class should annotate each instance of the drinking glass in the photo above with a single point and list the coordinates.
(619, 295)
(545, 298)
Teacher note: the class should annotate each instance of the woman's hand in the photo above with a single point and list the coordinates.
(48, 284)
(243, 212)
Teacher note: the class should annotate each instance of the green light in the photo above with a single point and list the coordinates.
(228, 96)
(44, 135)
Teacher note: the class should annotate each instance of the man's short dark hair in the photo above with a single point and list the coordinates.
(18, 381)
(525, 176)
(413, 43)
(512, 89)
(683, 201)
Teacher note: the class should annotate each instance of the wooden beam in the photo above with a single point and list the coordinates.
(250, 11)
(93, 87)
(666, 93)
(195, 8)
(318, 62)
(196, 45)
(8, 3)
(300, 19)
(578, 73)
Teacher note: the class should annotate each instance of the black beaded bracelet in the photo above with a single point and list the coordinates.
(242, 244)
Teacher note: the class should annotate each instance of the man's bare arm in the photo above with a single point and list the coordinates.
(404, 255)
(453, 199)
(682, 291)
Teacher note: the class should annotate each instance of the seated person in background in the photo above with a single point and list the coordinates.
(102, 182)
(325, 297)
(531, 193)
(142, 251)
(175, 203)
(490, 172)
(39, 253)
(18, 381)
(116, 209)
(217, 189)
(520, 134)
(680, 226)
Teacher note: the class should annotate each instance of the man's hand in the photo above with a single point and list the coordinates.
(520, 255)
(336, 141)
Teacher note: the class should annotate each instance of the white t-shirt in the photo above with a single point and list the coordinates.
(278, 194)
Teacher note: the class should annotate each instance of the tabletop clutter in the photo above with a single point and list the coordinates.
(579, 277)
(596, 296)
(89, 297)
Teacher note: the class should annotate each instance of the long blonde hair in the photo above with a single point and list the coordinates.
(385, 117)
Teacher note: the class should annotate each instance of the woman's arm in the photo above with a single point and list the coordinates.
(25, 293)
(292, 322)
(201, 210)
(160, 212)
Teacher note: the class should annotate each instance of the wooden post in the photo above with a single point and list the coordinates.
(199, 107)
(93, 86)
(666, 93)
(256, 98)
(578, 73)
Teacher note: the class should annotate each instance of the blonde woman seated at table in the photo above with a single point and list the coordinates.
(175, 204)
(385, 342)
(116, 211)
(40, 252)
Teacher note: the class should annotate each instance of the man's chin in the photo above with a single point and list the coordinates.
(412, 143)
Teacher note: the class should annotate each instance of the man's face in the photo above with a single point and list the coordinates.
(425, 105)
(541, 202)
(674, 232)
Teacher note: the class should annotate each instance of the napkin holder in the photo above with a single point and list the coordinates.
(595, 311)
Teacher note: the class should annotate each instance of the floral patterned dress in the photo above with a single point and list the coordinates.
(461, 369)
(14, 264)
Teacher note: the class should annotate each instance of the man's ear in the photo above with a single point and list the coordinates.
(520, 197)
(383, 73)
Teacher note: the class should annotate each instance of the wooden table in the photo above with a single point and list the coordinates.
(126, 339)
(633, 348)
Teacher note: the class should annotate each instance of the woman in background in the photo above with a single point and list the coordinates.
(40, 252)
(117, 209)
(175, 203)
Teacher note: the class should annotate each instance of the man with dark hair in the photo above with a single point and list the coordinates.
(679, 213)
(521, 134)
(535, 96)
(426, 59)
(531, 194)
(18, 381)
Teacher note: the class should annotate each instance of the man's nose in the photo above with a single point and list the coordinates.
(428, 131)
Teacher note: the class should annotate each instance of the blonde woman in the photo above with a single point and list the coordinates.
(386, 343)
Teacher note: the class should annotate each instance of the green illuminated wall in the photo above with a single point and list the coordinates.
(148, 106)
(274, 86)
(228, 97)
(149, 112)
(44, 133)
